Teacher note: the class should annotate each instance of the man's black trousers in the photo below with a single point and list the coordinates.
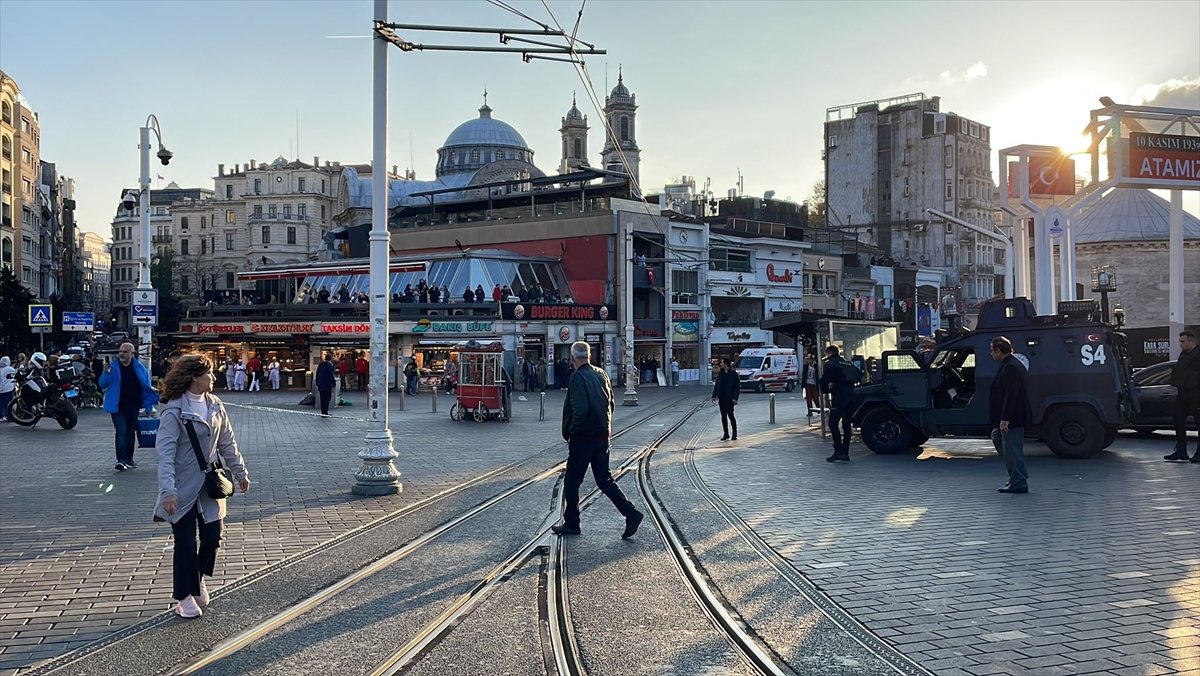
(728, 419)
(841, 437)
(580, 455)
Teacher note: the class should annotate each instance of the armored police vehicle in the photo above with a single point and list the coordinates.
(1079, 382)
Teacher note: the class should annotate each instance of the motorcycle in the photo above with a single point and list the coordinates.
(84, 384)
(37, 398)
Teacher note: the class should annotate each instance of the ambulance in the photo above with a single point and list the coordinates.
(763, 368)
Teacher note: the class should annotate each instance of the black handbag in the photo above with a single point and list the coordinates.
(218, 479)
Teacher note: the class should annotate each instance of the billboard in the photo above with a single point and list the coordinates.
(1049, 175)
(1162, 160)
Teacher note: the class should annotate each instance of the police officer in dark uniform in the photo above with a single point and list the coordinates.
(838, 381)
(1185, 377)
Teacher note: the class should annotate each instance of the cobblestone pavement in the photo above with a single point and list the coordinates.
(1097, 570)
(80, 557)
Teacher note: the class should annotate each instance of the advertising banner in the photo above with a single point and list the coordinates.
(1163, 160)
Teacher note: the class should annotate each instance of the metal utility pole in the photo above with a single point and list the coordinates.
(1010, 263)
(378, 474)
(145, 330)
(632, 373)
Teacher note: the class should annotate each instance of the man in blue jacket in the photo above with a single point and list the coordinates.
(127, 391)
(325, 381)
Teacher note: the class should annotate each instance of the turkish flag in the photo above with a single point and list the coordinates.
(1051, 175)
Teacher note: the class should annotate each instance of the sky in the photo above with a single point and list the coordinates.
(722, 87)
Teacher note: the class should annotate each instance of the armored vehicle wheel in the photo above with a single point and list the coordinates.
(1073, 432)
(481, 413)
(1110, 435)
(791, 386)
(761, 387)
(885, 431)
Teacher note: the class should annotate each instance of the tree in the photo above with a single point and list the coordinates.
(15, 334)
(199, 271)
(170, 309)
(816, 205)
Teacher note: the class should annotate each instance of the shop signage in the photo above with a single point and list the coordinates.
(220, 328)
(535, 339)
(580, 313)
(785, 278)
(1164, 157)
(427, 326)
(564, 334)
(284, 327)
(679, 315)
(347, 328)
(685, 332)
(591, 337)
(648, 328)
(734, 335)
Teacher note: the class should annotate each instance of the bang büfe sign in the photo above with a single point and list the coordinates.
(1167, 160)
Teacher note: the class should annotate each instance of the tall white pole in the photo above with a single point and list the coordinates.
(631, 369)
(145, 332)
(378, 475)
(1066, 280)
(1175, 311)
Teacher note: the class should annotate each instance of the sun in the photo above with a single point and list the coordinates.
(1078, 145)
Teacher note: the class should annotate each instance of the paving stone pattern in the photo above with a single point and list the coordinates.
(1097, 570)
(80, 557)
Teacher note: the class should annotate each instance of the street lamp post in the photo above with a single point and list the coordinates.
(632, 374)
(378, 474)
(145, 331)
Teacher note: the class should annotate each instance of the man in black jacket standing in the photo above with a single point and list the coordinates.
(725, 394)
(1185, 377)
(325, 381)
(837, 380)
(1008, 407)
(586, 427)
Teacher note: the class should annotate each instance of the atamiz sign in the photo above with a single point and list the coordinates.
(557, 312)
(1164, 160)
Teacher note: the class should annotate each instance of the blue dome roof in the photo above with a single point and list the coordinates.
(485, 131)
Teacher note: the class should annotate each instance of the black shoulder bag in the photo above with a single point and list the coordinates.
(218, 480)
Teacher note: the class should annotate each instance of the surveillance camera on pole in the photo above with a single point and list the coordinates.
(129, 200)
(165, 155)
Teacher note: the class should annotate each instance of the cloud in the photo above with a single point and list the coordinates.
(977, 70)
(947, 78)
(1173, 93)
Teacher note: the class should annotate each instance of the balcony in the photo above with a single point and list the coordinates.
(647, 277)
(341, 311)
(278, 218)
(160, 239)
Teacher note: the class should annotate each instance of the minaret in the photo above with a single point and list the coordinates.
(621, 109)
(574, 132)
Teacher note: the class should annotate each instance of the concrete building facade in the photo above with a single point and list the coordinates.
(94, 264)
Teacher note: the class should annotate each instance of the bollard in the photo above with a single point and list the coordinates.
(772, 399)
(402, 393)
(435, 398)
(542, 407)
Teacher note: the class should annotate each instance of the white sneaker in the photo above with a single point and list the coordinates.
(202, 599)
(188, 608)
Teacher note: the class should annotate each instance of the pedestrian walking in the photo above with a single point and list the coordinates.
(273, 373)
(1185, 377)
(7, 385)
(725, 394)
(1008, 411)
(239, 376)
(325, 382)
(838, 382)
(674, 372)
(360, 371)
(254, 368)
(411, 375)
(230, 369)
(808, 380)
(586, 427)
(127, 391)
(193, 426)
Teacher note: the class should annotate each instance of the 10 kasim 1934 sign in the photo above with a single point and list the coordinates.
(1163, 161)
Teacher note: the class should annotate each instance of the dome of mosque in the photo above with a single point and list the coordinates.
(485, 131)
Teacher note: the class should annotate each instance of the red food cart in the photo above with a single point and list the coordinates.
(482, 386)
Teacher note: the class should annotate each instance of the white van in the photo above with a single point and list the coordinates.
(763, 368)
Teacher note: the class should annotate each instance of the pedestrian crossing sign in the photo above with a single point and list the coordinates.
(41, 314)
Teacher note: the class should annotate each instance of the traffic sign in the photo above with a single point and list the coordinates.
(78, 321)
(43, 329)
(145, 307)
(41, 314)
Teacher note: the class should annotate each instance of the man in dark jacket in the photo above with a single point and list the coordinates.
(1185, 377)
(325, 381)
(725, 394)
(837, 380)
(586, 426)
(1008, 411)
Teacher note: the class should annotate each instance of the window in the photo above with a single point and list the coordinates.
(183, 223)
(26, 157)
(266, 234)
(230, 216)
(6, 113)
(578, 149)
(229, 241)
(729, 260)
(26, 186)
(273, 211)
(322, 212)
(475, 156)
(949, 188)
(302, 210)
(257, 186)
(624, 128)
(203, 246)
(287, 211)
(948, 255)
(258, 211)
(975, 129)
(6, 250)
(183, 247)
(291, 234)
(228, 191)
(300, 184)
(833, 140)
(203, 222)
(229, 280)
(684, 286)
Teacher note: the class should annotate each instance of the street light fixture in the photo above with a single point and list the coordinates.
(145, 331)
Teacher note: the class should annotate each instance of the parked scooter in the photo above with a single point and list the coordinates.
(37, 398)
